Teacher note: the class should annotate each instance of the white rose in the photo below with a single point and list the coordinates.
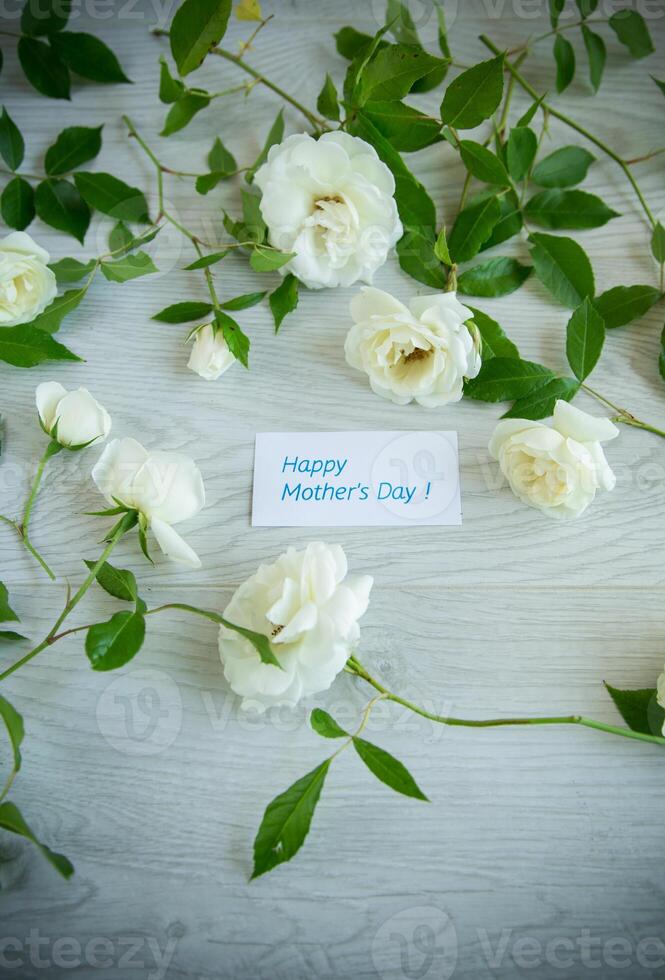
(210, 356)
(80, 419)
(555, 468)
(423, 352)
(27, 285)
(310, 610)
(165, 488)
(660, 694)
(331, 201)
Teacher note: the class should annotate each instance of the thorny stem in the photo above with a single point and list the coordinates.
(576, 126)
(235, 59)
(357, 668)
(71, 603)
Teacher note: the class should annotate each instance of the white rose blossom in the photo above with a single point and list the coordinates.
(422, 352)
(331, 201)
(210, 356)
(164, 487)
(310, 609)
(73, 418)
(27, 285)
(556, 468)
(660, 693)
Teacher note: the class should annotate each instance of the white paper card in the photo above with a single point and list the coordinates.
(361, 479)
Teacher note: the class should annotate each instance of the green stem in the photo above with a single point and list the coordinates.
(576, 126)
(74, 600)
(237, 60)
(623, 416)
(51, 450)
(359, 670)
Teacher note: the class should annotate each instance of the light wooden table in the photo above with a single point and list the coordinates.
(151, 780)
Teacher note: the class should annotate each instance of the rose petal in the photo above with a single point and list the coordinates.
(576, 424)
(175, 547)
(47, 396)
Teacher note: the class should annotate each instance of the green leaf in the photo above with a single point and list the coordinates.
(521, 149)
(88, 57)
(496, 277)
(401, 22)
(7, 614)
(483, 164)
(327, 103)
(276, 135)
(74, 146)
(287, 820)
(198, 26)
(207, 182)
(393, 70)
(406, 128)
(17, 203)
(474, 95)
(564, 56)
(236, 341)
(129, 267)
(661, 355)
(539, 404)
(563, 267)
(556, 6)
(565, 167)
(118, 582)
(325, 725)
(444, 47)
(530, 113)
(495, 341)
(11, 819)
(568, 209)
(220, 159)
(170, 88)
(350, 42)
(114, 643)
(623, 304)
(255, 226)
(510, 222)
(658, 243)
(183, 312)
(14, 725)
(212, 259)
(639, 709)
(388, 769)
(60, 205)
(44, 16)
(184, 110)
(71, 270)
(417, 257)
(267, 259)
(661, 85)
(26, 346)
(631, 29)
(10, 636)
(55, 312)
(112, 196)
(243, 302)
(597, 54)
(43, 69)
(503, 379)
(586, 7)
(585, 336)
(472, 227)
(120, 238)
(12, 147)
(354, 74)
(441, 248)
(284, 299)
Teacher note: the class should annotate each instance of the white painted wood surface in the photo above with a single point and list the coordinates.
(532, 836)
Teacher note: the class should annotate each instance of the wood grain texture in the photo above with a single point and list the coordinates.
(153, 782)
